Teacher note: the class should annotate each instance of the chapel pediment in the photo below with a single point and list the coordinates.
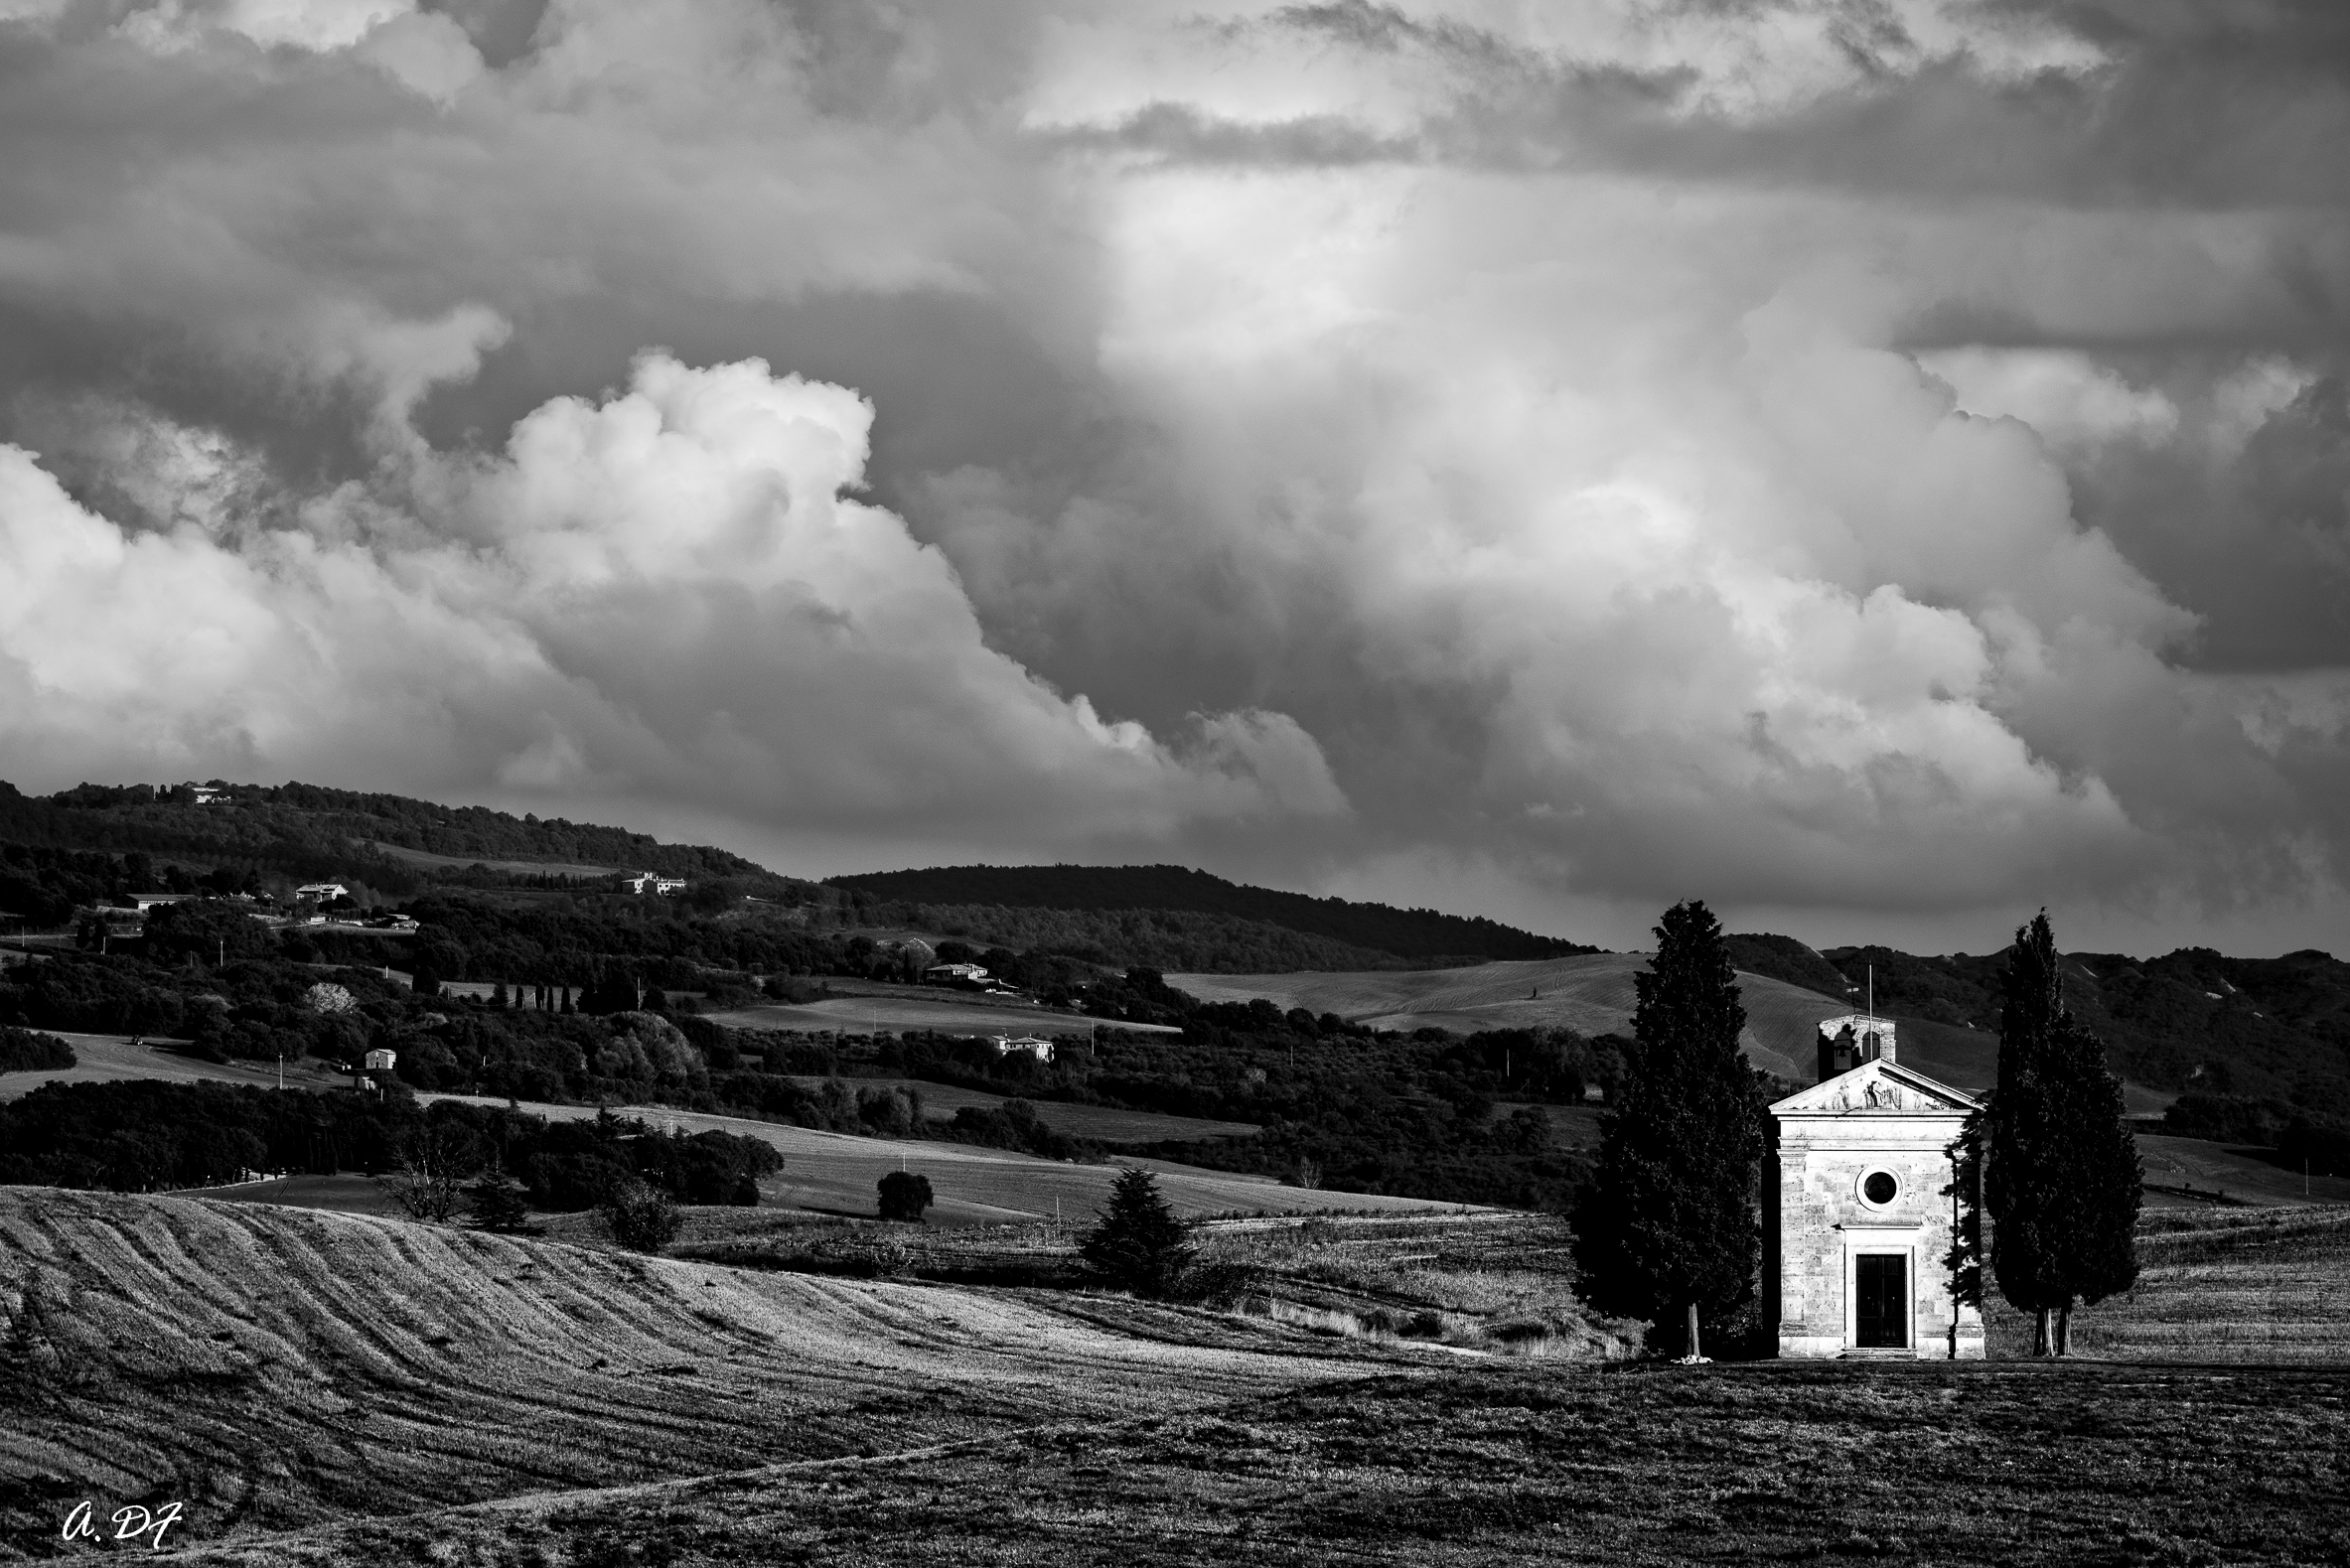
(1880, 1089)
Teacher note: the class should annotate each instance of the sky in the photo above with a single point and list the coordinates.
(1882, 467)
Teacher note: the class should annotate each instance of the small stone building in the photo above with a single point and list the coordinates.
(1858, 1224)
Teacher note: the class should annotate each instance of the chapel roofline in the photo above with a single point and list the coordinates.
(1962, 1102)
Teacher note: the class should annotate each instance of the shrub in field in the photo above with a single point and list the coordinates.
(2063, 1181)
(1139, 1245)
(641, 1218)
(904, 1196)
(1670, 1230)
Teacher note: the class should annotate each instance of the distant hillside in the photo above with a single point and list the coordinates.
(1421, 936)
(1784, 958)
(2261, 1027)
(306, 831)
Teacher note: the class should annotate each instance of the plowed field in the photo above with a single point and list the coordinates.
(271, 1367)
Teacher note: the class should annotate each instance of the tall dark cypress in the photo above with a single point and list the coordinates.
(1669, 1228)
(2063, 1183)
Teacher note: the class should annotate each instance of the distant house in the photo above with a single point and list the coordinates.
(143, 902)
(207, 794)
(394, 923)
(321, 891)
(1033, 1045)
(956, 974)
(664, 886)
(647, 882)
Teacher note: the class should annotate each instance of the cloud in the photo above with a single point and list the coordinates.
(668, 592)
(1879, 460)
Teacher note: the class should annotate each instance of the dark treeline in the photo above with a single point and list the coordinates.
(149, 1136)
(25, 1051)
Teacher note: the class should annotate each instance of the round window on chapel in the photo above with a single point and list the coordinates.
(1880, 1186)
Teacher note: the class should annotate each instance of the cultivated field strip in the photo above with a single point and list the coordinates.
(273, 1368)
(837, 1172)
(2221, 1285)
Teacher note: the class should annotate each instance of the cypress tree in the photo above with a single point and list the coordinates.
(498, 1202)
(2063, 1178)
(1669, 1227)
(1139, 1244)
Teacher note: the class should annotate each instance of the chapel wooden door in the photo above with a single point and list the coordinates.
(1881, 1281)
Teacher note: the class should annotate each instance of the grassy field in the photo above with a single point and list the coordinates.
(102, 1059)
(2263, 1285)
(2193, 1171)
(1101, 1123)
(835, 1172)
(950, 1012)
(1548, 1462)
(576, 870)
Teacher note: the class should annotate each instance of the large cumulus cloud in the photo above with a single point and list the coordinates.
(663, 594)
(1853, 461)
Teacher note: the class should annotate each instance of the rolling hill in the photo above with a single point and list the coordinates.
(1591, 994)
(390, 844)
(273, 1368)
(1420, 935)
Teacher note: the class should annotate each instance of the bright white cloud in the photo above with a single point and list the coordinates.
(2063, 395)
(663, 593)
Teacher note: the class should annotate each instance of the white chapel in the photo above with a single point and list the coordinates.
(1859, 1224)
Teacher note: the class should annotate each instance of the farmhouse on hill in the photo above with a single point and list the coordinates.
(950, 973)
(1861, 1219)
(1033, 1045)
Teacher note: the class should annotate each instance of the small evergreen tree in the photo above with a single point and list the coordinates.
(2063, 1179)
(904, 1196)
(1138, 1244)
(497, 1202)
(1669, 1227)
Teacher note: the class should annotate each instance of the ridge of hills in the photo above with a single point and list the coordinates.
(307, 830)
(1416, 933)
(2273, 1031)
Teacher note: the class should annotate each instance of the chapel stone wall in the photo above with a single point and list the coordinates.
(1827, 1218)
